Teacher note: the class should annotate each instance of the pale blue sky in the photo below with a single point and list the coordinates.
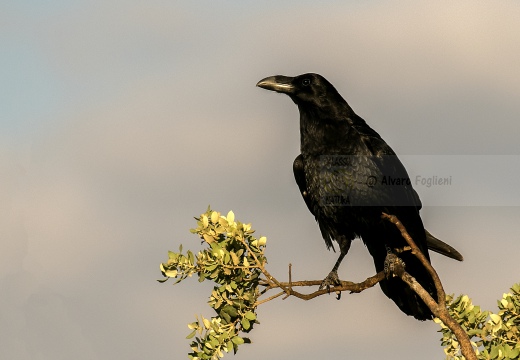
(121, 120)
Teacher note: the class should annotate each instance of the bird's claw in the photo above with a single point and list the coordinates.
(330, 281)
(393, 265)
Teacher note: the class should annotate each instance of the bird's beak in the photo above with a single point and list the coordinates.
(278, 83)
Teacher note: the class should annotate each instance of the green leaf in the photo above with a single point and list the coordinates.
(230, 310)
(211, 267)
(230, 217)
(214, 342)
(235, 258)
(495, 318)
(245, 324)
(237, 340)
(494, 352)
(207, 323)
(192, 334)
(225, 316)
(229, 346)
(223, 222)
(250, 316)
(514, 353)
(214, 217)
(507, 351)
(226, 257)
(170, 273)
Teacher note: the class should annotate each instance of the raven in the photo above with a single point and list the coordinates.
(348, 176)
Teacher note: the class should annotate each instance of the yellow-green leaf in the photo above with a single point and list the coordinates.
(214, 217)
(237, 340)
(171, 273)
(229, 346)
(495, 318)
(207, 323)
(230, 217)
(235, 258)
(250, 315)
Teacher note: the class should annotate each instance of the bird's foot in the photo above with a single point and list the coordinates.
(331, 280)
(394, 266)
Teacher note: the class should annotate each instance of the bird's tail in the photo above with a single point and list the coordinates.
(397, 290)
(404, 297)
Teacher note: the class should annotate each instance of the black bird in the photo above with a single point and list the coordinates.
(348, 176)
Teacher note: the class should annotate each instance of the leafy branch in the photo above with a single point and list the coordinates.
(494, 336)
(235, 261)
(232, 260)
(437, 307)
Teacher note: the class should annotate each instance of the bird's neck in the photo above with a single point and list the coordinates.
(324, 133)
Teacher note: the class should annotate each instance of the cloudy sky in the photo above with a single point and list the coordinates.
(121, 120)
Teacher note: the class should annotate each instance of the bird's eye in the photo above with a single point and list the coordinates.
(306, 82)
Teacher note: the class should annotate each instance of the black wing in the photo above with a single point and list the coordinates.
(299, 176)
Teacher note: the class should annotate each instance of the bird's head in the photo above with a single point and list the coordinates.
(307, 90)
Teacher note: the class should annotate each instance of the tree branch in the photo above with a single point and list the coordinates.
(437, 308)
(441, 296)
(345, 286)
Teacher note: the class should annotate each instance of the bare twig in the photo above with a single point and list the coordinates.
(290, 282)
(269, 298)
(345, 286)
(437, 308)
